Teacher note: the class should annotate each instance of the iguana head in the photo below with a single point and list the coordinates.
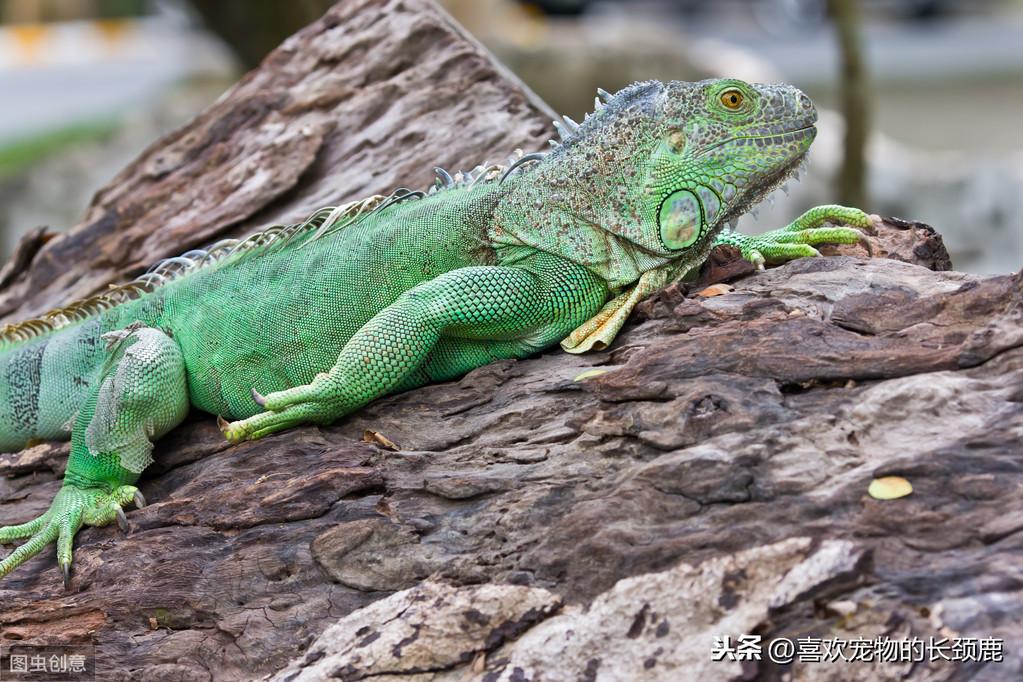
(658, 169)
(721, 146)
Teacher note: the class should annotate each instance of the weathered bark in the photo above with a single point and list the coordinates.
(711, 483)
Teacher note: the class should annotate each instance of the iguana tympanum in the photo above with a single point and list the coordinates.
(305, 323)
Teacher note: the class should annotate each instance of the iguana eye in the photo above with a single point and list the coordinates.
(731, 99)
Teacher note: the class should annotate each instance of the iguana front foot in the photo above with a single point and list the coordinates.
(72, 508)
(829, 224)
(599, 331)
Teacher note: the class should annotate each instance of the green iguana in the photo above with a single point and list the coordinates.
(305, 323)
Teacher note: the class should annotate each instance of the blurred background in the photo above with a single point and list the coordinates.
(933, 88)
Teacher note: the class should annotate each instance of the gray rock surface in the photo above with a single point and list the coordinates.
(711, 482)
(429, 631)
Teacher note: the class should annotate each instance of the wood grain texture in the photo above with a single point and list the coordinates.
(713, 481)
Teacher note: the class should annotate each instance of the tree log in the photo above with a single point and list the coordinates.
(711, 482)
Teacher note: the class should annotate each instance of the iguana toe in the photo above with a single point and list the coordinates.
(266, 423)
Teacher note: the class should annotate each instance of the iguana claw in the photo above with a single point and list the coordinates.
(230, 430)
(140, 500)
(259, 398)
(122, 521)
(65, 570)
(867, 244)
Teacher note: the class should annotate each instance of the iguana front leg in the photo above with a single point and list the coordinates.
(141, 394)
(798, 238)
(795, 240)
(599, 331)
(523, 308)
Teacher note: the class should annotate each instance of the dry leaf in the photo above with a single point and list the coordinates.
(377, 438)
(715, 290)
(889, 488)
(591, 373)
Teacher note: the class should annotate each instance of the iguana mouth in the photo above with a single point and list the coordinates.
(782, 134)
(796, 133)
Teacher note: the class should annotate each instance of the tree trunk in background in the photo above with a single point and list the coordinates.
(255, 27)
(852, 186)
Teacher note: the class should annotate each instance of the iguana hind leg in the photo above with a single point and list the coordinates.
(524, 308)
(140, 395)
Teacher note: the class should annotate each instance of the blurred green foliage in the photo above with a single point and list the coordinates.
(23, 153)
(17, 11)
